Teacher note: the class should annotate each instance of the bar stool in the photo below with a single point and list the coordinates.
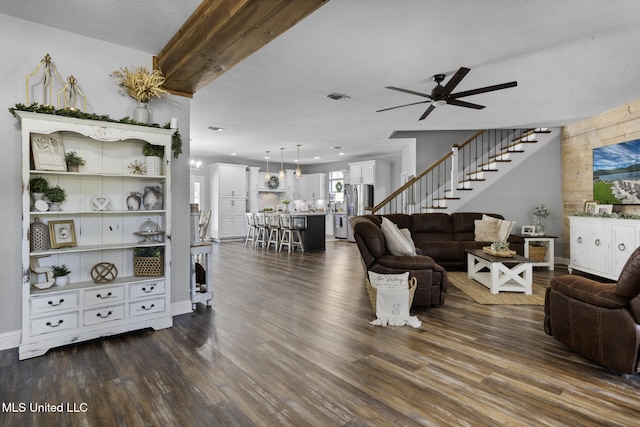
(291, 237)
(261, 230)
(273, 225)
(251, 229)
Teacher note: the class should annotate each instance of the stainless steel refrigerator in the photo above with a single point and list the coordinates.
(358, 197)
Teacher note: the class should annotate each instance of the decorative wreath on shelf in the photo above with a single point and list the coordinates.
(339, 187)
(273, 182)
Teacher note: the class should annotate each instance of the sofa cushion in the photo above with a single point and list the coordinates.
(395, 241)
(431, 227)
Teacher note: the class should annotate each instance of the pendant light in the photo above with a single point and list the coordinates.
(267, 175)
(281, 173)
(298, 170)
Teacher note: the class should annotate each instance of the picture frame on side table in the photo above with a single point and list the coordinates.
(591, 207)
(528, 230)
(62, 234)
(48, 152)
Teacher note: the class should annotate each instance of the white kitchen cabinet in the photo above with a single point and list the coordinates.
(228, 201)
(104, 233)
(312, 187)
(373, 172)
(602, 246)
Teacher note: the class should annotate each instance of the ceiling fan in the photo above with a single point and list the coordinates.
(441, 95)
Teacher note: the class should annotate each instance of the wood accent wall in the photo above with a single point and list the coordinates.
(578, 140)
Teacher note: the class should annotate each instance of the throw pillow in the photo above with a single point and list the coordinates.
(394, 241)
(504, 227)
(407, 235)
(486, 231)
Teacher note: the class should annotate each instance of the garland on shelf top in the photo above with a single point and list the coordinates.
(615, 215)
(176, 138)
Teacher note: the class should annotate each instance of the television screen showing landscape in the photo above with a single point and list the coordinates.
(616, 173)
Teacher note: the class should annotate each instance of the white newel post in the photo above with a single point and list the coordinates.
(454, 169)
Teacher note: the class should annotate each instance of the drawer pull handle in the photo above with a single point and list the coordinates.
(105, 297)
(147, 309)
(51, 303)
(597, 242)
(144, 289)
(55, 326)
(579, 239)
(621, 247)
(103, 316)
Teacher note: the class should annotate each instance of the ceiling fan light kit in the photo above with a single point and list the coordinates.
(442, 95)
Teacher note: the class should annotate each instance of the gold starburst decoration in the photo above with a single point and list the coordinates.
(140, 84)
(137, 168)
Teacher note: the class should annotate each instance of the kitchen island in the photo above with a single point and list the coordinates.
(313, 232)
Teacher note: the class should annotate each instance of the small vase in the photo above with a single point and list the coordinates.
(62, 280)
(152, 198)
(540, 229)
(54, 207)
(153, 165)
(141, 113)
(134, 201)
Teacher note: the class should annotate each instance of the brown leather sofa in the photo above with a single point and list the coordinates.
(440, 240)
(600, 321)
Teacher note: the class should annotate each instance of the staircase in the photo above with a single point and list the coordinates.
(466, 171)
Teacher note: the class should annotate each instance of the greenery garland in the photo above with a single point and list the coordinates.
(176, 138)
(615, 215)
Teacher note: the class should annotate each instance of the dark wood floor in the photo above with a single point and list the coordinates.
(287, 342)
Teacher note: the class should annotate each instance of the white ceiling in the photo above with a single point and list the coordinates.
(572, 59)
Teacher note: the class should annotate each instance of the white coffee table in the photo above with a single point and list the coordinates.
(499, 274)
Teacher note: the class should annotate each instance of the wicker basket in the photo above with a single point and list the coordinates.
(537, 253)
(148, 266)
(373, 292)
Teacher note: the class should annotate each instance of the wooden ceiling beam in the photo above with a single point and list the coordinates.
(222, 33)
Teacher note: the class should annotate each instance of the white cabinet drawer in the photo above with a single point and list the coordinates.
(54, 323)
(103, 314)
(104, 295)
(146, 289)
(140, 308)
(53, 302)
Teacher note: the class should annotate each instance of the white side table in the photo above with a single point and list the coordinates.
(547, 241)
(200, 250)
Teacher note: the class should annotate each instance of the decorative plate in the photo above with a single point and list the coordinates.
(100, 203)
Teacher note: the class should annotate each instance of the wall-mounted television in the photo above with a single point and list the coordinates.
(616, 173)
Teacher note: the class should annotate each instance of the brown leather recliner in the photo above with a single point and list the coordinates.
(600, 321)
(431, 277)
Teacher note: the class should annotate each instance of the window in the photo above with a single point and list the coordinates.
(336, 186)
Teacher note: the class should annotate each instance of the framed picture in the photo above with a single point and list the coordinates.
(605, 209)
(48, 152)
(528, 230)
(591, 207)
(62, 234)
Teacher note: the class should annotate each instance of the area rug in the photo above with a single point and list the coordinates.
(481, 294)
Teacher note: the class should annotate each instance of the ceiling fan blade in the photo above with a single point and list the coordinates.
(400, 106)
(454, 81)
(459, 103)
(399, 89)
(426, 113)
(483, 90)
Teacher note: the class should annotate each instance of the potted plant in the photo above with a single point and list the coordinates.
(38, 185)
(55, 195)
(148, 261)
(73, 161)
(61, 274)
(142, 86)
(286, 202)
(153, 156)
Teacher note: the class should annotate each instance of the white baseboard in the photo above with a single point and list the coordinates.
(181, 307)
(10, 340)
